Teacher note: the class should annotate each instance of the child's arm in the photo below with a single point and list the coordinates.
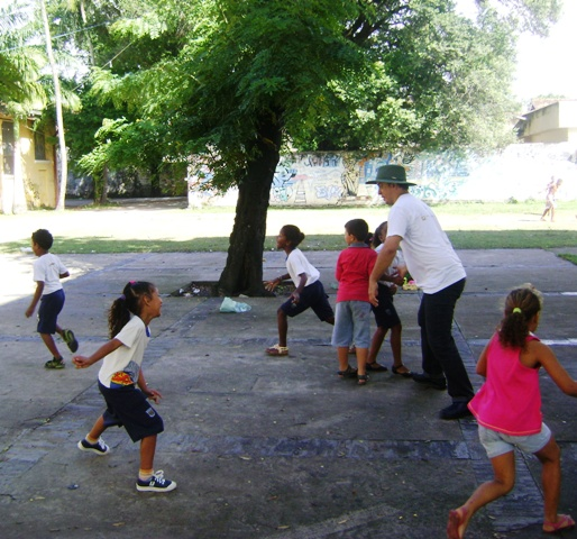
(296, 295)
(35, 298)
(82, 362)
(64, 275)
(152, 394)
(481, 368)
(271, 285)
(542, 355)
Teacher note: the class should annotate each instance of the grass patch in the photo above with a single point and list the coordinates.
(461, 239)
(570, 258)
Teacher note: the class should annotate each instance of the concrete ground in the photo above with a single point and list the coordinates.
(263, 447)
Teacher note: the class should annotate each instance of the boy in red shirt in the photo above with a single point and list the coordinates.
(353, 310)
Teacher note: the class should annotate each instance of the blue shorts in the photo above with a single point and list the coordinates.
(352, 324)
(385, 313)
(312, 296)
(497, 443)
(50, 307)
(128, 407)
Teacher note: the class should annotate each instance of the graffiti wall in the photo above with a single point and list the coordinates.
(519, 172)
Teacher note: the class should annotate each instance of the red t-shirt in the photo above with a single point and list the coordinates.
(354, 267)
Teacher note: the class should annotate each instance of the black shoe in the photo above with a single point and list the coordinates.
(457, 410)
(425, 380)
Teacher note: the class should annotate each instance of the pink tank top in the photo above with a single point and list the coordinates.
(510, 400)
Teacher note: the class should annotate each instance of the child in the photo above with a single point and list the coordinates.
(48, 270)
(120, 372)
(508, 410)
(352, 321)
(309, 290)
(550, 200)
(385, 313)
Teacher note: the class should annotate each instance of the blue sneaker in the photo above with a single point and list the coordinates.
(156, 483)
(100, 448)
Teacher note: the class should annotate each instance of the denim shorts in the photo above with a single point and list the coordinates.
(352, 324)
(497, 443)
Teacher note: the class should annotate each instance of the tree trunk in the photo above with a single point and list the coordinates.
(243, 270)
(61, 191)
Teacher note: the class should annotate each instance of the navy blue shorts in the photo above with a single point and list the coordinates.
(50, 307)
(313, 296)
(386, 315)
(128, 407)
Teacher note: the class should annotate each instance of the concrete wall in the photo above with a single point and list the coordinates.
(520, 172)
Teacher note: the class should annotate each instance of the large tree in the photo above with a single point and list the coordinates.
(233, 82)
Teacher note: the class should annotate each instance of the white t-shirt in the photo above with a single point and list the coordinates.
(47, 269)
(297, 264)
(398, 261)
(431, 259)
(125, 359)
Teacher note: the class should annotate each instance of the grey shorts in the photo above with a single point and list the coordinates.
(352, 324)
(497, 443)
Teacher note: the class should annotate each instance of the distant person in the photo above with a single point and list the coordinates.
(120, 375)
(386, 316)
(551, 198)
(438, 271)
(353, 311)
(47, 272)
(309, 291)
(508, 411)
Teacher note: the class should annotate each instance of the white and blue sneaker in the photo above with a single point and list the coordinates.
(157, 483)
(100, 448)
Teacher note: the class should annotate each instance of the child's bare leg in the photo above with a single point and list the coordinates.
(50, 344)
(95, 432)
(282, 322)
(502, 483)
(550, 458)
(376, 343)
(147, 451)
(343, 357)
(396, 345)
(362, 354)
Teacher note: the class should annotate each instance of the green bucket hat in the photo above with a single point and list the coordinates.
(391, 174)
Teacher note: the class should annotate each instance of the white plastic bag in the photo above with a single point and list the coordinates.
(228, 305)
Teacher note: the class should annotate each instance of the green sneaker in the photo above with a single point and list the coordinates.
(55, 364)
(70, 340)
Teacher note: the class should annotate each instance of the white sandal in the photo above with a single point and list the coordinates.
(277, 350)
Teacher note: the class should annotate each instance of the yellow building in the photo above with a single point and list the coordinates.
(28, 171)
(550, 121)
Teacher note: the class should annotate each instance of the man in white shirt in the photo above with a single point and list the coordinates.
(438, 271)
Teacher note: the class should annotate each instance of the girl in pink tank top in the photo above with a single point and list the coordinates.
(508, 410)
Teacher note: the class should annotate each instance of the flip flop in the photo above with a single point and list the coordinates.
(277, 350)
(407, 374)
(375, 367)
(456, 518)
(564, 522)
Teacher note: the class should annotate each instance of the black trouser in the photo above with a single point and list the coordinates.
(438, 348)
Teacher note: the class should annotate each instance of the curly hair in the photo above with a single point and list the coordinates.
(129, 302)
(521, 305)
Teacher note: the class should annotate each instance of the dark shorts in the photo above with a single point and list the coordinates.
(50, 307)
(128, 407)
(312, 296)
(385, 313)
